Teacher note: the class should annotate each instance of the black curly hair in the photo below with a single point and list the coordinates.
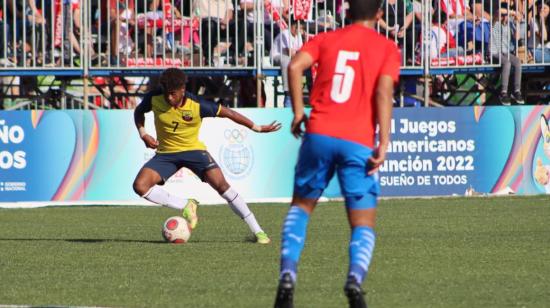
(363, 9)
(172, 79)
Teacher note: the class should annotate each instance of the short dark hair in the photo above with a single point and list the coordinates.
(172, 79)
(439, 16)
(363, 9)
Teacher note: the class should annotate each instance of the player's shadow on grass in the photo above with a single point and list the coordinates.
(99, 241)
(84, 240)
(94, 241)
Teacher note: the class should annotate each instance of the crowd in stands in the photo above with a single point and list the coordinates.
(221, 32)
(50, 32)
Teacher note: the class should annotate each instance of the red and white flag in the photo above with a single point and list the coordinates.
(301, 9)
(58, 24)
(275, 15)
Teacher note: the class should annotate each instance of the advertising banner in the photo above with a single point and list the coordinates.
(95, 155)
(467, 150)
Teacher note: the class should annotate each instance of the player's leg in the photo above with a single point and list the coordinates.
(294, 233)
(215, 178)
(360, 192)
(361, 249)
(314, 170)
(292, 243)
(153, 174)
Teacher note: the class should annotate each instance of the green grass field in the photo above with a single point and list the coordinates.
(455, 252)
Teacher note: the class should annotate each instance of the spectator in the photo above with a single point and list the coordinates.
(538, 42)
(340, 12)
(285, 45)
(37, 24)
(526, 8)
(30, 28)
(442, 43)
(396, 14)
(417, 18)
(123, 41)
(13, 19)
(458, 12)
(188, 35)
(501, 51)
(508, 7)
(148, 33)
(483, 8)
(242, 43)
(398, 18)
(77, 31)
(147, 6)
(471, 31)
(116, 18)
(516, 9)
(275, 19)
(216, 16)
(443, 50)
(515, 20)
(5, 52)
(160, 30)
(417, 9)
(481, 33)
(324, 22)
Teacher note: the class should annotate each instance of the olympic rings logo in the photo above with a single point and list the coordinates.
(235, 135)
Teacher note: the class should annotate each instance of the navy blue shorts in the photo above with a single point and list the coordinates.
(321, 156)
(166, 164)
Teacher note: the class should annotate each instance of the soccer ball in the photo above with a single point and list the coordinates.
(176, 230)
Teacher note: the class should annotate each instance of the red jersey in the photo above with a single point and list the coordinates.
(350, 61)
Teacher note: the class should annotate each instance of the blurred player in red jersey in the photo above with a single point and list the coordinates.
(357, 71)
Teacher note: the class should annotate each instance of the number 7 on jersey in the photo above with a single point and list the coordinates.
(342, 81)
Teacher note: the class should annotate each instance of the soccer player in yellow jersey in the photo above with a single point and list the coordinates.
(178, 117)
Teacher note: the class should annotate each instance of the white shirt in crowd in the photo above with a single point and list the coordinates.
(212, 8)
(276, 4)
(438, 41)
(285, 40)
(457, 9)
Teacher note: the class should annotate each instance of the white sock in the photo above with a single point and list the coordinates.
(239, 207)
(160, 196)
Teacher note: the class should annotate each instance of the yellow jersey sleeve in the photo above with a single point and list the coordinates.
(178, 128)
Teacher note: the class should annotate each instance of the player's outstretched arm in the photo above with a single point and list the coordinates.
(139, 120)
(299, 63)
(384, 107)
(244, 121)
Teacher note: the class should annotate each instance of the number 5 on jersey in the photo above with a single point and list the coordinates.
(342, 81)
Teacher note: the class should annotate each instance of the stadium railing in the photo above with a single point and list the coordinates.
(103, 38)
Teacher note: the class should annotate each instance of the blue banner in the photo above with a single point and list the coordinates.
(95, 155)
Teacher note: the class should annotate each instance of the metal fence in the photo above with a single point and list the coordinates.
(99, 37)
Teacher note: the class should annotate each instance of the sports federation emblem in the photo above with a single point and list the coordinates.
(187, 115)
(236, 155)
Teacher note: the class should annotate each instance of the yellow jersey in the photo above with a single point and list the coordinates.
(178, 128)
